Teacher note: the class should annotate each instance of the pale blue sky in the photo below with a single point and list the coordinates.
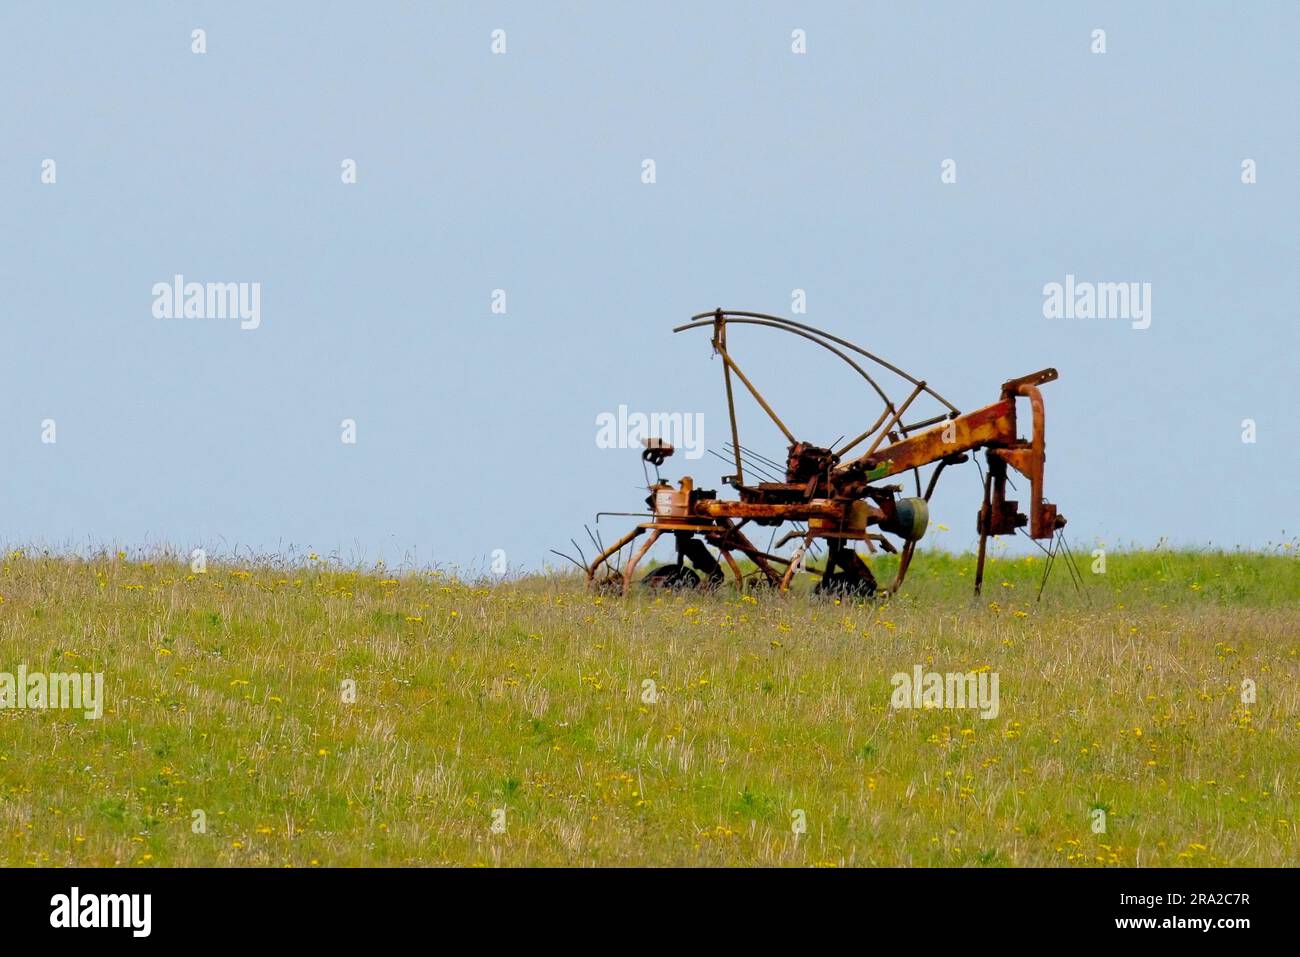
(775, 171)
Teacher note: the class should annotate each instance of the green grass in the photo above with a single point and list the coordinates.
(223, 694)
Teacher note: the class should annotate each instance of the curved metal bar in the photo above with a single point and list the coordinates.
(791, 325)
(811, 338)
(637, 556)
(934, 478)
(735, 570)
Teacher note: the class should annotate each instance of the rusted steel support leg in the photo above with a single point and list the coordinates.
(794, 562)
(751, 551)
(735, 570)
(985, 516)
(613, 549)
(904, 560)
(636, 558)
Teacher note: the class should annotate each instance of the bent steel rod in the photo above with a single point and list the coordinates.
(790, 325)
(811, 338)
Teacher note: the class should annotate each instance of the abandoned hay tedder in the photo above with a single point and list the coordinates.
(831, 499)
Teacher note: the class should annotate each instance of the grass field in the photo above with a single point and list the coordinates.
(224, 694)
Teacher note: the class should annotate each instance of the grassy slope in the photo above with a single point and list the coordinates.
(223, 694)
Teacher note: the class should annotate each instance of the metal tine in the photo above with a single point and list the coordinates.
(761, 471)
(756, 464)
(568, 558)
(762, 458)
(580, 555)
(600, 543)
(1070, 564)
(770, 470)
(1047, 567)
(594, 541)
(764, 472)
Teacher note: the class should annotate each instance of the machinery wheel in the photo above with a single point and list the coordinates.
(609, 585)
(672, 577)
(853, 578)
(846, 585)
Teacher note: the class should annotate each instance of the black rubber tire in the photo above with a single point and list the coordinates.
(845, 585)
(673, 577)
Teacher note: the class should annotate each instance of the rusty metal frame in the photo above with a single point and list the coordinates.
(842, 500)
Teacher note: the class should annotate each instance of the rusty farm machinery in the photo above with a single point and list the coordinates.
(832, 498)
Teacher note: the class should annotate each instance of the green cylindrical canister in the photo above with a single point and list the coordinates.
(911, 518)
